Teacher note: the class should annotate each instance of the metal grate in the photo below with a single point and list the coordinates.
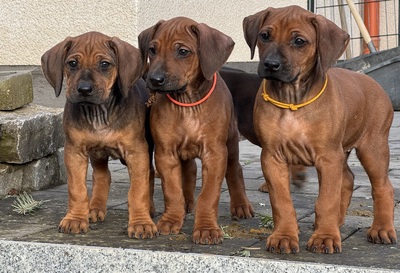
(387, 16)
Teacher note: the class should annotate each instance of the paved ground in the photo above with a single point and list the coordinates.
(32, 243)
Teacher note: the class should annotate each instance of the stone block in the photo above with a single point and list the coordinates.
(39, 174)
(16, 89)
(30, 133)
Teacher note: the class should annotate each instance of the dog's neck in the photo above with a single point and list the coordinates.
(100, 115)
(298, 91)
(194, 92)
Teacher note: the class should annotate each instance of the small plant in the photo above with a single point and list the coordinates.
(225, 233)
(247, 162)
(244, 251)
(25, 204)
(266, 221)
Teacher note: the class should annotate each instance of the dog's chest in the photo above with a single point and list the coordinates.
(290, 138)
(102, 143)
(288, 127)
(190, 134)
(103, 152)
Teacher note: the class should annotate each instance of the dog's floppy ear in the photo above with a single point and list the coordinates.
(214, 48)
(331, 41)
(53, 64)
(251, 27)
(144, 39)
(129, 64)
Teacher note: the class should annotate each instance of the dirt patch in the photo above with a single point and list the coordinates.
(235, 230)
(362, 213)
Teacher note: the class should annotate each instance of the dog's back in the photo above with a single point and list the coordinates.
(368, 109)
(243, 87)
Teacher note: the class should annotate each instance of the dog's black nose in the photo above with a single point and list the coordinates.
(272, 65)
(84, 88)
(157, 80)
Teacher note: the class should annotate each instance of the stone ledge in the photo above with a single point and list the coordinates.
(45, 257)
(16, 89)
(36, 175)
(30, 133)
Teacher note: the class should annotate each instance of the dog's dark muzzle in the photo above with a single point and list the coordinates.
(85, 88)
(158, 82)
(274, 69)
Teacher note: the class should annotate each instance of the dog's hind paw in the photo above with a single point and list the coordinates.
(263, 187)
(208, 236)
(142, 231)
(189, 206)
(73, 225)
(169, 227)
(242, 211)
(96, 215)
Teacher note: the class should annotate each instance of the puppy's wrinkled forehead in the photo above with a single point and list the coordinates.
(90, 48)
(176, 30)
(284, 23)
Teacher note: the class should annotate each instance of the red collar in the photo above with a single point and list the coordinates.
(197, 102)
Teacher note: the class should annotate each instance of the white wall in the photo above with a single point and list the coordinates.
(29, 27)
(224, 15)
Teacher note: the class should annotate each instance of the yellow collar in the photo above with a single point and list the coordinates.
(291, 106)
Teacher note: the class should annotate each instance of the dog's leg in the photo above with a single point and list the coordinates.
(76, 220)
(170, 171)
(150, 145)
(240, 205)
(326, 237)
(206, 229)
(347, 189)
(140, 223)
(189, 172)
(375, 159)
(101, 187)
(151, 188)
(285, 237)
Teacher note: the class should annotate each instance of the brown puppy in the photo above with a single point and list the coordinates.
(104, 116)
(309, 113)
(244, 88)
(184, 58)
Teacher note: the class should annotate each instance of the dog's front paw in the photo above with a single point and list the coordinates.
(324, 243)
(206, 236)
(382, 235)
(168, 226)
(282, 244)
(96, 215)
(145, 230)
(70, 224)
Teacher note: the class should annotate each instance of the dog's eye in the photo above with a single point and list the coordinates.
(73, 63)
(299, 42)
(264, 36)
(152, 50)
(105, 64)
(183, 52)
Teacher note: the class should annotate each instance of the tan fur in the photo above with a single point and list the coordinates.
(183, 57)
(296, 50)
(104, 116)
